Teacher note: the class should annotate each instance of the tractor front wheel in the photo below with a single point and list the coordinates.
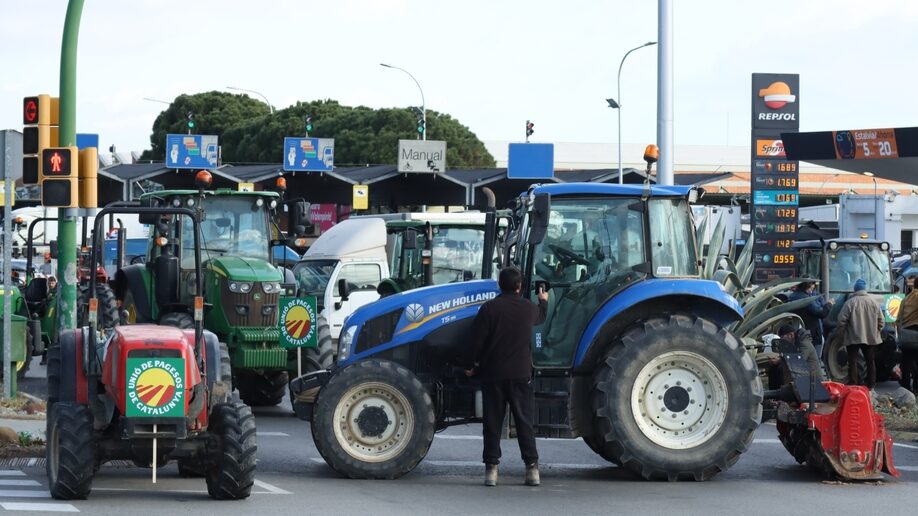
(314, 359)
(262, 389)
(107, 308)
(232, 473)
(374, 419)
(71, 451)
(676, 398)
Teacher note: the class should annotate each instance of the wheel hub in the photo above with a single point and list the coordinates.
(372, 421)
(679, 400)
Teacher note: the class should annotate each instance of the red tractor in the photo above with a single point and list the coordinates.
(147, 393)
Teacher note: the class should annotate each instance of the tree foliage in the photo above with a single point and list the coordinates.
(249, 134)
(214, 113)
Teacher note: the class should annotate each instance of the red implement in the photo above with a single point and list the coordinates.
(844, 436)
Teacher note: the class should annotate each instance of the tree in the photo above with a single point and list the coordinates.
(214, 113)
(362, 135)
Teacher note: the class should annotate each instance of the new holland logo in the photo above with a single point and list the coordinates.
(155, 387)
(298, 322)
(414, 312)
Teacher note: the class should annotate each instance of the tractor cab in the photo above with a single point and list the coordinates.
(838, 264)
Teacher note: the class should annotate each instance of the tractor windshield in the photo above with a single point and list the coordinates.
(672, 238)
(313, 276)
(850, 263)
(456, 255)
(232, 226)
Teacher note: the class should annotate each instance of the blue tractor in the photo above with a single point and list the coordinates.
(633, 357)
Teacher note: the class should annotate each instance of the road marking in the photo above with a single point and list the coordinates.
(766, 441)
(270, 488)
(15, 493)
(44, 507)
(909, 446)
(462, 437)
(19, 483)
(907, 468)
(271, 434)
(11, 473)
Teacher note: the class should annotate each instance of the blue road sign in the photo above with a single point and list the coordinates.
(191, 151)
(85, 141)
(531, 161)
(309, 154)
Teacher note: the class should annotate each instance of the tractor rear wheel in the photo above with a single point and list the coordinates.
(835, 358)
(232, 473)
(262, 389)
(23, 367)
(374, 419)
(179, 320)
(71, 451)
(108, 306)
(315, 359)
(676, 398)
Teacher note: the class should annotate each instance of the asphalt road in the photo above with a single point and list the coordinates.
(293, 479)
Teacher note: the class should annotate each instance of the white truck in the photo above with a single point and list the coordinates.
(363, 257)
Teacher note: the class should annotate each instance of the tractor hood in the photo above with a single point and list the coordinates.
(244, 269)
(422, 311)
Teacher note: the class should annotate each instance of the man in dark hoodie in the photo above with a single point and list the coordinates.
(502, 335)
(812, 314)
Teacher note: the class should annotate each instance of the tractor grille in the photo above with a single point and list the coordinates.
(246, 310)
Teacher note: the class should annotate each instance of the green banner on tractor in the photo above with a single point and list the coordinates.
(155, 387)
(297, 322)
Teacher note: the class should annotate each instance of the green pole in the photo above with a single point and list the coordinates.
(66, 236)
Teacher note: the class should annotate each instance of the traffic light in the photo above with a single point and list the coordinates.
(40, 116)
(421, 127)
(59, 176)
(529, 131)
(308, 124)
(190, 121)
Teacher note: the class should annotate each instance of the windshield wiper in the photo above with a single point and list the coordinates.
(870, 258)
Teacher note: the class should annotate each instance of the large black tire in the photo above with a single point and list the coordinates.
(676, 398)
(54, 375)
(70, 451)
(221, 393)
(232, 473)
(835, 358)
(108, 306)
(23, 367)
(315, 359)
(262, 389)
(180, 320)
(374, 419)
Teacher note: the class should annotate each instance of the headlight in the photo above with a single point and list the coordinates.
(344, 342)
(833, 245)
(271, 287)
(176, 202)
(259, 203)
(240, 287)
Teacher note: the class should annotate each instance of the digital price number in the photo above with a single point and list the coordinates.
(786, 197)
(784, 244)
(790, 213)
(787, 182)
(790, 166)
(783, 259)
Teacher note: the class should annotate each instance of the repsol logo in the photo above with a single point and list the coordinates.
(789, 117)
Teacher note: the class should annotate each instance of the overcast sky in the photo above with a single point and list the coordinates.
(490, 64)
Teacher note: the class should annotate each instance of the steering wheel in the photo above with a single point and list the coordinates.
(568, 255)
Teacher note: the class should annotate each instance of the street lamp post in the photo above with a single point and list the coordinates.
(872, 176)
(423, 104)
(157, 100)
(270, 107)
(618, 105)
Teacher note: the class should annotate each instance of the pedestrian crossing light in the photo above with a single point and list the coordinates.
(59, 177)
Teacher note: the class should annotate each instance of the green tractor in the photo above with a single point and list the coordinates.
(242, 286)
(19, 342)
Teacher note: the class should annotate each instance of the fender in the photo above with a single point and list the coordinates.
(422, 311)
(132, 278)
(721, 308)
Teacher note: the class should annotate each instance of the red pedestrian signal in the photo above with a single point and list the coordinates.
(59, 177)
(57, 161)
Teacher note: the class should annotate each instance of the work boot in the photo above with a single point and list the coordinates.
(490, 475)
(532, 475)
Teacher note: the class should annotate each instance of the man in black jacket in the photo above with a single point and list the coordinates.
(502, 334)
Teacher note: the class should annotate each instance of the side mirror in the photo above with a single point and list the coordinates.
(53, 249)
(299, 217)
(342, 289)
(150, 202)
(410, 239)
(539, 213)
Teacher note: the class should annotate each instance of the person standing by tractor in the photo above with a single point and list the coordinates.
(861, 322)
(908, 334)
(813, 314)
(501, 334)
(46, 269)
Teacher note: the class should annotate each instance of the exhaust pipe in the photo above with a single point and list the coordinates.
(489, 195)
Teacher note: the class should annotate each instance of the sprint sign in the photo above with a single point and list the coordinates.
(155, 387)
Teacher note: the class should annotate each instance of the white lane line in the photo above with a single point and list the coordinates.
(271, 434)
(907, 468)
(271, 488)
(766, 441)
(19, 483)
(909, 446)
(11, 473)
(32, 461)
(178, 491)
(15, 493)
(479, 438)
(43, 507)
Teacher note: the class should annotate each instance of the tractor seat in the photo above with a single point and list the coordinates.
(36, 295)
